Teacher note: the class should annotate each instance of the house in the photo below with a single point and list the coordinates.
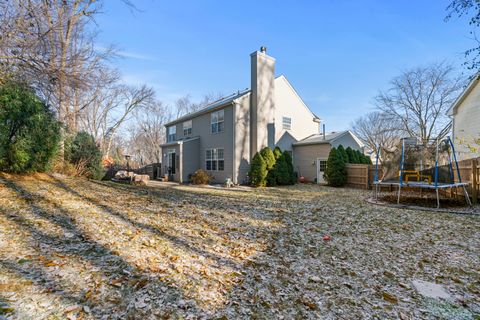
(223, 137)
(465, 114)
(311, 153)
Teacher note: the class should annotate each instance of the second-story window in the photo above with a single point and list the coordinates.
(287, 123)
(217, 121)
(187, 128)
(171, 132)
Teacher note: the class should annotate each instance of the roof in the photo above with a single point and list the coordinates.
(329, 138)
(178, 142)
(463, 95)
(228, 100)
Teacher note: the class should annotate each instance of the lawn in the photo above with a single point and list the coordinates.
(79, 249)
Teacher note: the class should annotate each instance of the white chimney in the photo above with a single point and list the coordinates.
(262, 100)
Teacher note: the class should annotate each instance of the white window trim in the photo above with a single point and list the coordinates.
(171, 133)
(214, 158)
(187, 128)
(212, 122)
(287, 125)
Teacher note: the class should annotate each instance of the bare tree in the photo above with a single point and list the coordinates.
(147, 132)
(111, 108)
(378, 130)
(471, 9)
(185, 105)
(419, 99)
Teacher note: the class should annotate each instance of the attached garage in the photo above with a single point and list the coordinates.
(310, 154)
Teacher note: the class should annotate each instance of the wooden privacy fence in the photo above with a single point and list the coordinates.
(153, 170)
(362, 176)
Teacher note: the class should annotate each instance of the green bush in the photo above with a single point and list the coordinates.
(272, 177)
(341, 150)
(336, 172)
(29, 132)
(350, 153)
(289, 162)
(200, 177)
(258, 171)
(82, 151)
(277, 152)
(282, 172)
(268, 157)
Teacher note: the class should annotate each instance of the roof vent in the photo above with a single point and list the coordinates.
(263, 49)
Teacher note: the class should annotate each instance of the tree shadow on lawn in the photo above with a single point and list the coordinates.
(126, 281)
(98, 253)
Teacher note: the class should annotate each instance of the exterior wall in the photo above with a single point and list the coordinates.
(190, 158)
(165, 151)
(466, 126)
(347, 141)
(304, 159)
(242, 140)
(209, 140)
(262, 101)
(289, 104)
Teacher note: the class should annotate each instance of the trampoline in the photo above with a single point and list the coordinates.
(420, 165)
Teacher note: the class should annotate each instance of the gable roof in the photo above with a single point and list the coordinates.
(222, 102)
(228, 100)
(451, 111)
(282, 77)
(329, 138)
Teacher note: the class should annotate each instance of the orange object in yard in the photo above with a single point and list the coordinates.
(327, 237)
(301, 179)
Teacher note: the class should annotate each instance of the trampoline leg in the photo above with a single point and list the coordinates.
(467, 197)
(398, 197)
(438, 198)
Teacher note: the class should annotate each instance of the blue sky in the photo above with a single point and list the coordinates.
(336, 53)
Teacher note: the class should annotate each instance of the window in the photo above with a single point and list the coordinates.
(187, 128)
(217, 121)
(214, 160)
(287, 123)
(323, 165)
(171, 132)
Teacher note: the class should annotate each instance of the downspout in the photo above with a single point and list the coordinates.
(234, 159)
(180, 164)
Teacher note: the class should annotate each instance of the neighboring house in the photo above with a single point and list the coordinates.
(223, 137)
(311, 153)
(465, 114)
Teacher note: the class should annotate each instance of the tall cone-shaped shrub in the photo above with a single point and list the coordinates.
(336, 172)
(258, 171)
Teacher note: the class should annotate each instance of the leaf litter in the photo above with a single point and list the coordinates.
(79, 249)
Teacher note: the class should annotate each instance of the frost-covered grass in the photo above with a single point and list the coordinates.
(76, 248)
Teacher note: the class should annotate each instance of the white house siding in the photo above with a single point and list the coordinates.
(289, 104)
(466, 123)
(305, 156)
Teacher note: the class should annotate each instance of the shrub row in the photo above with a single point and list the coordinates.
(271, 168)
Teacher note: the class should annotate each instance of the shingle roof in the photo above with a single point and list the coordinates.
(329, 137)
(212, 106)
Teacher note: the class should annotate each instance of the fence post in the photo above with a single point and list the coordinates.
(474, 181)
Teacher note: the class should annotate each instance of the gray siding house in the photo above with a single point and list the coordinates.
(223, 137)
